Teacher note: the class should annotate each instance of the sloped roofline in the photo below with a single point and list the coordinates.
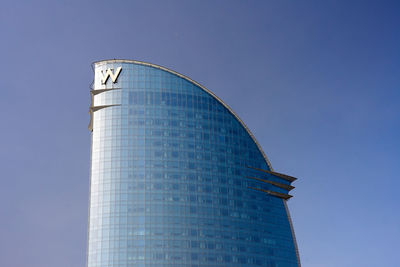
(197, 84)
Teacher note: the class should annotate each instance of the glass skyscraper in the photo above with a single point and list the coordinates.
(177, 179)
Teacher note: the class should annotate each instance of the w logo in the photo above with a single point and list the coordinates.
(109, 73)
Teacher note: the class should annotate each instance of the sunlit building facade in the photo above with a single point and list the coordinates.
(177, 179)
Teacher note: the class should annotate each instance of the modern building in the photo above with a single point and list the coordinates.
(177, 179)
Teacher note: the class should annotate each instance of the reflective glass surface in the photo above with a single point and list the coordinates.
(169, 179)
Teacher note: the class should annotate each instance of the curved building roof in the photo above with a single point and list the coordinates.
(197, 84)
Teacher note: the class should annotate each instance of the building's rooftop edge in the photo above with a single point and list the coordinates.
(196, 83)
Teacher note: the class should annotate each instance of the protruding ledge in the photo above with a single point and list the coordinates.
(284, 186)
(276, 194)
(277, 174)
(98, 91)
(96, 108)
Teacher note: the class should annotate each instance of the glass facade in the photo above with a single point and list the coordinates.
(177, 179)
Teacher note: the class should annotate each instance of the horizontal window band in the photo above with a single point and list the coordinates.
(284, 186)
(277, 174)
(94, 109)
(276, 194)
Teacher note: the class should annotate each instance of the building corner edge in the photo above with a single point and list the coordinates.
(293, 235)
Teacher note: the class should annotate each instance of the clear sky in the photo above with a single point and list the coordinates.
(317, 82)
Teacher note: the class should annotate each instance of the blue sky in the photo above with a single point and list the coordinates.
(317, 82)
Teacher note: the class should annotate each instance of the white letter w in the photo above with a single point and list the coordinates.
(109, 73)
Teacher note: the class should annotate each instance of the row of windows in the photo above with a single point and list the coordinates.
(163, 154)
(147, 174)
(213, 230)
(151, 136)
(181, 192)
(178, 139)
(163, 214)
(184, 188)
(200, 119)
(252, 202)
(187, 211)
(160, 117)
(139, 163)
(184, 236)
(185, 101)
(192, 106)
(159, 148)
(164, 158)
(163, 116)
(157, 198)
(191, 193)
(161, 257)
(215, 227)
(172, 135)
(184, 244)
(122, 210)
(143, 177)
(152, 234)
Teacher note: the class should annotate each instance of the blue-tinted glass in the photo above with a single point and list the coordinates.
(172, 179)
